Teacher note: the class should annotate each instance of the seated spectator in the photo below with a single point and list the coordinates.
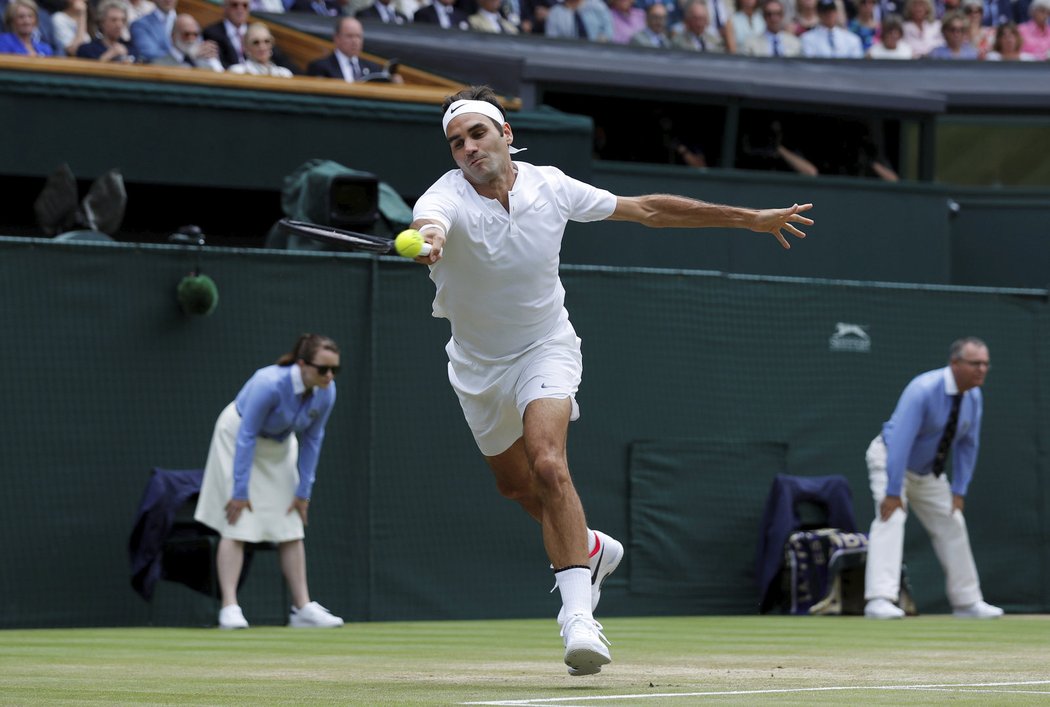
(977, 34)
(674, 10)
(1035, 34)
(258, 44)
(137, 9)
(921, 31)
(151, 35)
(696, 34)
(627, 20)
(806, 17)
(1007, 46)
(890, 44)
(775, 40)
(489, 18)
(999, 12)
(748, 22)
(21, 18)
(534, 16)
(276, 6)
(229, 35)
(325, 8)
(762, 148)
(864, 24)
(109, 44)
(829, 40)
(383, 11)
(943, 7)
(655, 32)
(955, 46)
(580, 19)
(189, 49)
(408, 8)
(71, 26)
(345, 61)
(721, 21)
(442, 12)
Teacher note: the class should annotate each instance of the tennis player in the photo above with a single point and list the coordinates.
(260, 472)
(514, 358)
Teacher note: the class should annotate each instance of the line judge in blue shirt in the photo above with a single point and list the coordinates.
(938, 413)
(260, 472)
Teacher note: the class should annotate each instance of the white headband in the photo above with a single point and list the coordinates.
(470, 106)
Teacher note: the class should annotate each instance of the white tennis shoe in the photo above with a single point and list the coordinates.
(978, 610)
(882, 609)
(313, 615)
(231, 617)
(606, 558)
(585, 645)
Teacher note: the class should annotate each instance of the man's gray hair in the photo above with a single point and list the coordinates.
(955, 351)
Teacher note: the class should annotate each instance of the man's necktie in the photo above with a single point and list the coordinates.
(831, 40)
(776, 45)
(946, 438)
(355, 68)
(581, 29)
(718, 13)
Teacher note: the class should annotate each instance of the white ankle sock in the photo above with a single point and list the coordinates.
(575, 587)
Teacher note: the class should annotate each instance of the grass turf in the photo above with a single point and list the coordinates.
(520, 660)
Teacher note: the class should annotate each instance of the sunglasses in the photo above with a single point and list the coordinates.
(189, 34)
(323, 370)
(257, 42)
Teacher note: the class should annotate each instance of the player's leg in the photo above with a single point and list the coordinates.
(293, 566)
(229, 559)
(546, 423)
(882, 574)
(931, 501)
(305, 613)
(514, 480)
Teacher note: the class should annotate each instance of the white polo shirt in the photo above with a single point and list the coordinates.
(497, 282)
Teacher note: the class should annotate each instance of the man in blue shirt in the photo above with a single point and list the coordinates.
(937, 414)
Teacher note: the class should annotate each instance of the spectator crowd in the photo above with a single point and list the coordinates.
(154, 32)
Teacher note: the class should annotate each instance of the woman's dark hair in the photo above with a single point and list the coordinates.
(305, 347)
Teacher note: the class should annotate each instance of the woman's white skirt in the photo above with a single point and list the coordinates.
(271, 489)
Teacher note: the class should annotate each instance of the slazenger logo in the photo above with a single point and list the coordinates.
(850, 337)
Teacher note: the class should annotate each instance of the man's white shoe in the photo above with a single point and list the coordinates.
(231, 617)
(313, 615)
(882, 609)
(980, 610)
(606, 558)
(585, 645)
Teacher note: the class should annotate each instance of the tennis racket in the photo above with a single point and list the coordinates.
(343, 239)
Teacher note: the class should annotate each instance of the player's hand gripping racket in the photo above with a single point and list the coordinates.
(409, 243)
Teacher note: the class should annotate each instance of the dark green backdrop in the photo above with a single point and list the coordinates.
(106, 378)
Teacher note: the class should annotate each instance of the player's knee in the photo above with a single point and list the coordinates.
(551, 473)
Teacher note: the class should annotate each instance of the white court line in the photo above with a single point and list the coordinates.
(723, 693)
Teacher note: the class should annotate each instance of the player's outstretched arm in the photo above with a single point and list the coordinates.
(434, 234)
(670, 211)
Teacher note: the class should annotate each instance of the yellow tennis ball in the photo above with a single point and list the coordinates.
(409, 243)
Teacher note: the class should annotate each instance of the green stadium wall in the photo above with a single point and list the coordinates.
(106, 378)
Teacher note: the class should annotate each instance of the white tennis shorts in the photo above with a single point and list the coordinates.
(494, 394)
